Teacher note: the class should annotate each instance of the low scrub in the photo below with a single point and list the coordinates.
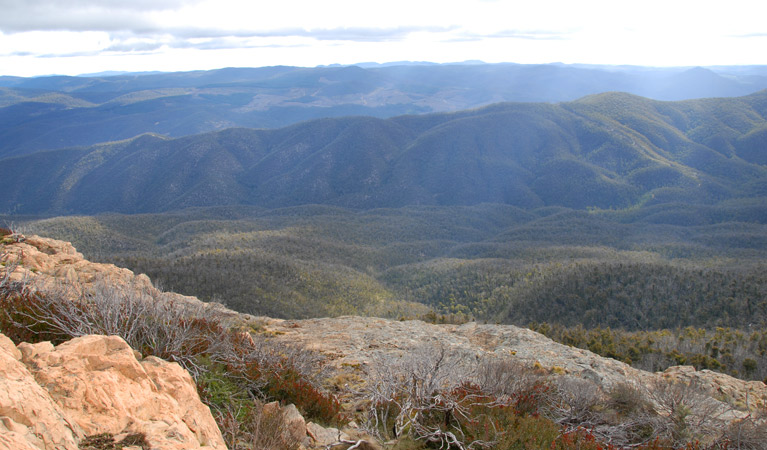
(441, 399)
(235, 371)
(432, 397)
(106, 441)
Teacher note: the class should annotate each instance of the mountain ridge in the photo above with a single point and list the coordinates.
(57, 112)
(611, 150)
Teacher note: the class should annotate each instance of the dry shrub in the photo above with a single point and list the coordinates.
(410, 396)
(685, 413)
(106, 441)
(175, 331)
(135, 440)
(448, 399)
(505, 376)
(626, 399)
(749, 433)
(220, 360)
(250, 426)
(573, 403)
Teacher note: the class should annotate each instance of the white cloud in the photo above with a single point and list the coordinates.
(246, 32)
(82, 15)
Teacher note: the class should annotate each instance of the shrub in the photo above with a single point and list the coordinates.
(749, 433)
(290, 386)
(106, 441)
(626, 399)
(685, 414)
(231, 368)
(18, 307)
(246, 425)
(529, 433)
(449, 400)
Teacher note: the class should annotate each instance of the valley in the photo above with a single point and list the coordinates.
(610, 212)
(492, 263)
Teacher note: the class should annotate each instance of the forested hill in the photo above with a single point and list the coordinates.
(46, 113)
(610, 150)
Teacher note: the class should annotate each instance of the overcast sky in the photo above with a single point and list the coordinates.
(72, 37)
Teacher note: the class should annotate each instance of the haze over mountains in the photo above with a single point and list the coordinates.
(58, 112)
(506, 193)
(609, 151)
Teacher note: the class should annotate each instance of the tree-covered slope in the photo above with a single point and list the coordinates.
(644, 269)
(608, 151)
(55, 112)
(490, 261)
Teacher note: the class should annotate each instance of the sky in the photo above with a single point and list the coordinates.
(71, 37)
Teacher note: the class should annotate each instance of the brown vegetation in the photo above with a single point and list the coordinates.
(234, 372)
(433, 395)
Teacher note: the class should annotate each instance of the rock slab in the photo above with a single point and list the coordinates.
(52, 397)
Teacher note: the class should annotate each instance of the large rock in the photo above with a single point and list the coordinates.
(351, 344)
(744, 395)
(52, 265)
(29, 418)
(325, 437)
(51, 397)
(292, 420)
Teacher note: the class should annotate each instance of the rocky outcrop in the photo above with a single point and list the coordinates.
(51, 260)
(29, 418)
(744, 395)
(52, 397)
(351, 344)
(49, 264)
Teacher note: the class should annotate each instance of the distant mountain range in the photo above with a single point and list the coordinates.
(612, 150)
(360, 190)
(58, 112)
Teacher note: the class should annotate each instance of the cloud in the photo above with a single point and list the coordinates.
(132, 46)
(82, 15)
(213, 39)
(749, 35)
(138, 17)
(141, 26)
(17, 54)
(364, 34)
(371, 34)
(116, 40)
(515, 34)
(226, 44)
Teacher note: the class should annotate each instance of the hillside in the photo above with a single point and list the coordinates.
(495, 263)
(534, 388)
(608, 151)
(56, 112)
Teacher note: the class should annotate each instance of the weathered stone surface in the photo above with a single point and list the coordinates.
(28, 351)
(271, 408)
(29, 418)
(179, 385)
(47, 264)
(7, 345)
(352, 343)
(747, 395)
(294, 423)
(322, 437)
(16, 437)
(94, 384)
